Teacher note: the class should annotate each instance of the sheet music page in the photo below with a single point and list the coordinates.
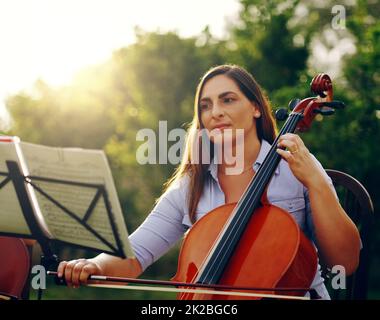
(82, 166)
(11, 217)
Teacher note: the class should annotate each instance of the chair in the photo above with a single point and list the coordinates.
(357, 203)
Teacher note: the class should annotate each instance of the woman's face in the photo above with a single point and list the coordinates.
(223, 106)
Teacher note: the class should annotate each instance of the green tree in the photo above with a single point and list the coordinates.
(267, 45)
(68, 116)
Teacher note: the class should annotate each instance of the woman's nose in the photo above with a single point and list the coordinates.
(217, 110)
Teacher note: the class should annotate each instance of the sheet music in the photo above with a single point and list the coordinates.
(83, 166)
(11, 217)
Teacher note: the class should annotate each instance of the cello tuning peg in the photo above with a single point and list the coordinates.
(325, 111)
(293, 103)
(281, 114)
(335, 104)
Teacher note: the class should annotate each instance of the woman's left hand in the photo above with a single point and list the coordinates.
(299, 159)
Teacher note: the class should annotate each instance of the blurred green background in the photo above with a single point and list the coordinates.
(154, 79)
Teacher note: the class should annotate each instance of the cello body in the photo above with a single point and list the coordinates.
(14, 267)
(273, 252)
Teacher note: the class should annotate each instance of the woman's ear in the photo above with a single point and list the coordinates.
(256, 111)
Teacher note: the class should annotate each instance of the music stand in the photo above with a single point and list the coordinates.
(48, 258)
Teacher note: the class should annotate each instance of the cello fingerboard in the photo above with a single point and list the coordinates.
(224, 247)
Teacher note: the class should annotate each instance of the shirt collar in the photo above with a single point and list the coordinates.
(264, 149)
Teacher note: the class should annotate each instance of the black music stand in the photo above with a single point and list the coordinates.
(48, 258)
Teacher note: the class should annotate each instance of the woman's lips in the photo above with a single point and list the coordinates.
(221, 126)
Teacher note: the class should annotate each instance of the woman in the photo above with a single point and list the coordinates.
(227, 99)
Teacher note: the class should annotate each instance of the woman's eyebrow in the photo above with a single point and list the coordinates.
(221, 96)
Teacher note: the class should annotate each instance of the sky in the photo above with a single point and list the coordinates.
(53, 39)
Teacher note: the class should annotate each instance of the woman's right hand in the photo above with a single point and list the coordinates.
(76, 272)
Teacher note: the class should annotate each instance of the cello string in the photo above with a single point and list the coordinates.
(230, 221)
(207, 256)
(272, 159)
(242, 206)
(212, 247)
(234, 222)
(247, 201)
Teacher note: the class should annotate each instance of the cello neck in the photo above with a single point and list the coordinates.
(250, 200)
(252, 196)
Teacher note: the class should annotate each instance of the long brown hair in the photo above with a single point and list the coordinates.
(197, 170)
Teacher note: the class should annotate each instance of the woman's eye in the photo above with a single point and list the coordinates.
(228, 100)
(203, 106)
